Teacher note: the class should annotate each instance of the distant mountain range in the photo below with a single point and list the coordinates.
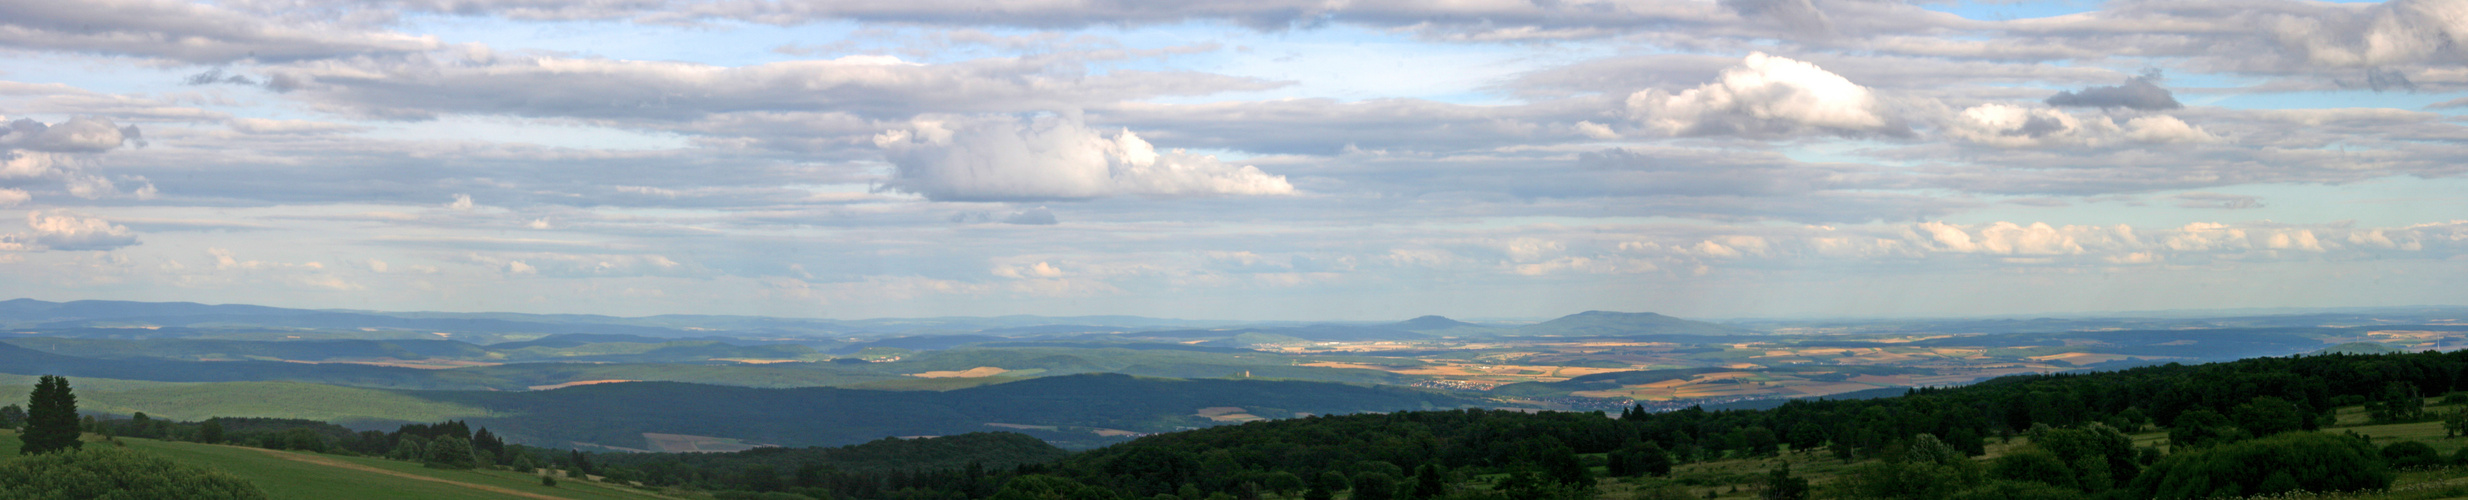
(132, 320)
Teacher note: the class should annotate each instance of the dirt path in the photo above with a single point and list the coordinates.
(363, 468)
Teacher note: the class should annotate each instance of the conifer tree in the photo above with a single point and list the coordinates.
(51, 418)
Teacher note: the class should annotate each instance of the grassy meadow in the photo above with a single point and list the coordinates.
(199, 401)
(286, 475)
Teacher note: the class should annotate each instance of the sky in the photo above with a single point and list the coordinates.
(1257, 160)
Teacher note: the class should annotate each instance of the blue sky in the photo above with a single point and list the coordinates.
(1258, 160)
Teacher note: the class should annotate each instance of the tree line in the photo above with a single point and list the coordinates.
(2238, 428)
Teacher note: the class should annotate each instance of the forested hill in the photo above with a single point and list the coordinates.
(2208, 405)
(1068, 410)
(2235, 429)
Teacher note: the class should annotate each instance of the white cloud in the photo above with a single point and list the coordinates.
(290, 127)
(84, 134)
(1039, 270)
(668, 92)
(2164, 129)
(13, 197)
(192, 32)
(1765, 95)
(2014, 126)
(2004, 238)
(68, 231)
(1054, 157)
(461, 203)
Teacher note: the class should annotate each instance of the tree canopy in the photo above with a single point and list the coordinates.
(51, 418)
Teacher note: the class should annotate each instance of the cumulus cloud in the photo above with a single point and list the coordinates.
(84, 134)
(1765, 96)
(2003, 238)
(68, 231)
(2165, 129)
(2140, 93)
(2012, 126)
(13, 197)
(2016, 126)
(1053, 157)
(59, 152)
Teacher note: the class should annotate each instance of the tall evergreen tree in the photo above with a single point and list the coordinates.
(51, 418)
(489, 447)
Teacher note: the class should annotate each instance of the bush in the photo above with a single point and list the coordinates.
(2410, 454)
(116, 473)
(2033, 465)
(450, 452)
(2309, 461)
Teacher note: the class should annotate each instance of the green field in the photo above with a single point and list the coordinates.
(337, 477)
(199, 401)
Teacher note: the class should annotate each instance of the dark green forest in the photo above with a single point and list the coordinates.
(2241, 428)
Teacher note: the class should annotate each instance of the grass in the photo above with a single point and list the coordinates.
(283, 479)
(199, 401)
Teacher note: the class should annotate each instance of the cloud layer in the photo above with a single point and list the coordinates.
(1054, 158)
(1241, 160)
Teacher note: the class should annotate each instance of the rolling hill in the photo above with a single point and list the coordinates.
(1070, 411)
(1621, 324)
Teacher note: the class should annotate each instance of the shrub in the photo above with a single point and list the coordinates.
(116, 473)
(2310, 461)
(2408, 454)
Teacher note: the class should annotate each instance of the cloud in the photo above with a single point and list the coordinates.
(424, 87)
(2012, 126)
(84, 134)
(184, 31)
(1039, 216)
(1053, 158)
(290, 127)
(59, 152)
(2165, 129)
(2004, 238)
(2008, 125)
(2328, 41)
(2218, 200)
(13, 197)
(1799, 15)
(1765, 96)
(2139, 93)
(53, 98)
(68, 231)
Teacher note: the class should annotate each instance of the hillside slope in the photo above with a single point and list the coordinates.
(1074, 411)
(1620, 324)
